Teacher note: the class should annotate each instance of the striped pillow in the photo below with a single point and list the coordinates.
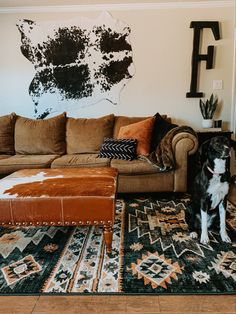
(118, 149)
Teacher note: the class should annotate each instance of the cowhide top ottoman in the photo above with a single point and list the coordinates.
(58, 197)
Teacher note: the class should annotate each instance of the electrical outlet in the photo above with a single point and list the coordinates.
(217, 84)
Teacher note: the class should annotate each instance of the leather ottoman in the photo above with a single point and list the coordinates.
(60, 197)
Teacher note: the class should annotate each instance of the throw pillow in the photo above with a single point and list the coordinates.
(141, 131)
(87, 135)
(160, 128)
(118, 149)
(121, 121)
(7, 126)
(40, 137)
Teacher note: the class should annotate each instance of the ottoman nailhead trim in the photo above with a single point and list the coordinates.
(88, 222)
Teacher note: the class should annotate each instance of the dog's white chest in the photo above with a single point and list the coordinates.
(217, 189)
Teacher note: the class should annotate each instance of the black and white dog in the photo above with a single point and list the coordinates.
(210, 189)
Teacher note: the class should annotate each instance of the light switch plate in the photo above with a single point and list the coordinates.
(217, 84)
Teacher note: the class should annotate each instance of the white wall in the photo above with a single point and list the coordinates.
(162, 47)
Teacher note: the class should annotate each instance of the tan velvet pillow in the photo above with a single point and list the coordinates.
(142, 132)
(87, 135)
(7, 126)
(40, 137)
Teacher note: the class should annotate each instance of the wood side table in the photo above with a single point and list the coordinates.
(204, 135)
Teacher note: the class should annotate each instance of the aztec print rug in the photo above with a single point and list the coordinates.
(152, 254)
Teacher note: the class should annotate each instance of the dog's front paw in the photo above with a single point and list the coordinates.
(204, 239)
(225, 237)
(193, 235)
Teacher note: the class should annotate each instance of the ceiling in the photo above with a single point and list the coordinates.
(30, 3)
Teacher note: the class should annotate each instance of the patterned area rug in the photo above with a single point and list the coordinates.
(152, 253)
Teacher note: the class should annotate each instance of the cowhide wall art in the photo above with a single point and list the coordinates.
(78, 63)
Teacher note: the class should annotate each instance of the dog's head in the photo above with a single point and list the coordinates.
(217, 147)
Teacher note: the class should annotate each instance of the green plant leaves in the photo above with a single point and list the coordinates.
(208, 107)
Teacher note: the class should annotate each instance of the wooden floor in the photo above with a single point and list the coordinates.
(121, 304)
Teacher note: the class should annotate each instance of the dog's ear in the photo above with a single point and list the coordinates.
(233, 144)
(202, 151)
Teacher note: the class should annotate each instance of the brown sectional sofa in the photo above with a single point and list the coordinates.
(62, 141)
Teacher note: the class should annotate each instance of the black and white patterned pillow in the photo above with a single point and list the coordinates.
(118, 149)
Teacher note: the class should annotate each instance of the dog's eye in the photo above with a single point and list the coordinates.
(218, 148)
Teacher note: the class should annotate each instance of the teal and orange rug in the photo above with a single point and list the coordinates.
(152, 254)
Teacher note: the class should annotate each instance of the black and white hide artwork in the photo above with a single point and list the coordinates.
(77, 62)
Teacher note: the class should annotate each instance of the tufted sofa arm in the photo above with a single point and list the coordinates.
(183, 144)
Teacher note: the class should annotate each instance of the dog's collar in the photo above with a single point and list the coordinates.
(213, 172)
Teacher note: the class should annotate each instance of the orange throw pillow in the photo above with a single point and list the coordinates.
(142, 132)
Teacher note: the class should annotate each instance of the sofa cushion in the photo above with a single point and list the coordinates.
(142, 132)
(123, 121)
(150, 182)
(80, 160)
(17, 162)
(118, 149)
(7, 126)
(133, 167)
(40, 137)
(87, 135)
(3, 156)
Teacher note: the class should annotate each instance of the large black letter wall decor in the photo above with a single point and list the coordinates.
(78, 62)
(197, 57)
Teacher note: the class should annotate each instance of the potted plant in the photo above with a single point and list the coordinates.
(208, 109)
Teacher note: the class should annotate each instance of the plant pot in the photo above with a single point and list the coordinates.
(207, 123)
